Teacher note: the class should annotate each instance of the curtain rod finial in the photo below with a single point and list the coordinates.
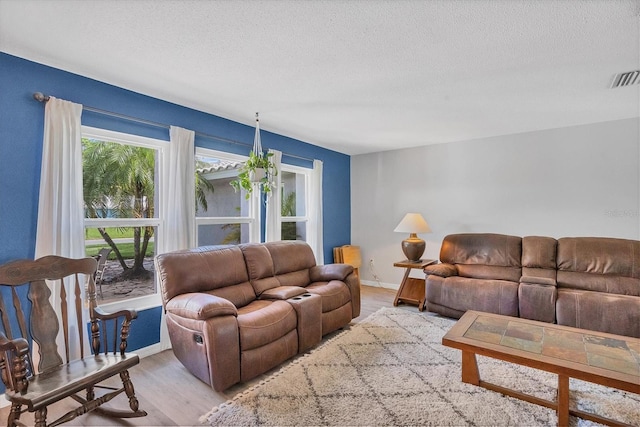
(39, 96)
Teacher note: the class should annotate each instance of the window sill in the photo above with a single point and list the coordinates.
(139, 303)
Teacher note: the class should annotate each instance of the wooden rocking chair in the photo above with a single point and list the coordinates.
(102, 258)
(57, 379)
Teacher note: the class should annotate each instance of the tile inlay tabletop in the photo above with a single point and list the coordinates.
(606, 359)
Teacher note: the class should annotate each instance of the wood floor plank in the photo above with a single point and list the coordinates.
(172, 396)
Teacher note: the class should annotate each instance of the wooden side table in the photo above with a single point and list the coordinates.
(411, 289)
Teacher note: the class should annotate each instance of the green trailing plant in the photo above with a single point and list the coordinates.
(250, 174)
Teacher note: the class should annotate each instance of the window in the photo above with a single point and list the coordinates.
(223, 216)
(295, 202)
(120, 175)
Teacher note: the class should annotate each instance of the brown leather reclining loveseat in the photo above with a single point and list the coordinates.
(585, 282)
(234, 312)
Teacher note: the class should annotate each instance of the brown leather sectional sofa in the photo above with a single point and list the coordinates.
(234, 312)
(586, 282)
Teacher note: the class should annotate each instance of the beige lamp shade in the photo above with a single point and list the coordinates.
(413, 247)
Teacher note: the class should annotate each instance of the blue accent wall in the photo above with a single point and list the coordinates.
(145, 330)
(21, 128)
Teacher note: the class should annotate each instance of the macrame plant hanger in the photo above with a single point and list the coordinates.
(257, 144)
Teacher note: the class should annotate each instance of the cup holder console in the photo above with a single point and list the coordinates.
(308, 308)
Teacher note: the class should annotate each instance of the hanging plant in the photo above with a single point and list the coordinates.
(259, 171)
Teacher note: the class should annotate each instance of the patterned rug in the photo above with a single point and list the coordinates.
(391, 369)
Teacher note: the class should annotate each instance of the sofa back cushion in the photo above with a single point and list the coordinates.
(484, 255)
(259, 267)
(599, 264)
(282, 263)
(217, 270)
(539, 258)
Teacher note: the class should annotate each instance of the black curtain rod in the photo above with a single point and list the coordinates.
(39, 96)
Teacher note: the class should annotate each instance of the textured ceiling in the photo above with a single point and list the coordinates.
(352, 76)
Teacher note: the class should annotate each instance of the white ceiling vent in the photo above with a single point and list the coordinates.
(626, 79)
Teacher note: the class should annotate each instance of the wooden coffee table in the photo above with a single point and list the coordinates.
(606, 359)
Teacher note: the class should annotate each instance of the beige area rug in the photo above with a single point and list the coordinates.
(391, 369)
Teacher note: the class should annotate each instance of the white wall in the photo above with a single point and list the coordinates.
(576, 181)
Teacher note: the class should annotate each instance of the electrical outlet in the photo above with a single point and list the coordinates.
(371, 262)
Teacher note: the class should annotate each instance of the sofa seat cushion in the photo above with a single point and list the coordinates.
(599, 311)
(262, 322)
(489, 272)
(607, 283)
(334, 294)
(462, 294)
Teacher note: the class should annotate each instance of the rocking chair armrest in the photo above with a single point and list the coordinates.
(129, 314)
(19, 345)
(14, 375)
(101, 315)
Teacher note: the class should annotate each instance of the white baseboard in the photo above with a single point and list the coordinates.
(375, 284)
(148, 351)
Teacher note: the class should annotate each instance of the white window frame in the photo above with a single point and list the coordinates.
(146, 301)
(254, 201)
(306, 172)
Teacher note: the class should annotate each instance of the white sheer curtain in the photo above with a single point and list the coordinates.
(177, 203)
(314, 234)
(254, 212)
(60, 207)
(273, 225)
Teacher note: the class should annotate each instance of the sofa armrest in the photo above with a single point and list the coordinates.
(282, 292)
(536, 280)
(324, 273)
(442, 270)
(200, 306)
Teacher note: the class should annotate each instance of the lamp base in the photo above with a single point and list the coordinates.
(413, 247)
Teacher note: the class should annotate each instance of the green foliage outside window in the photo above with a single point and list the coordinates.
(288, 208)
(119, 182)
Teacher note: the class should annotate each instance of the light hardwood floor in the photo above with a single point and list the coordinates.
(171, 395)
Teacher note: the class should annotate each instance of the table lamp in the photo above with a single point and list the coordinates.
(413, 247)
